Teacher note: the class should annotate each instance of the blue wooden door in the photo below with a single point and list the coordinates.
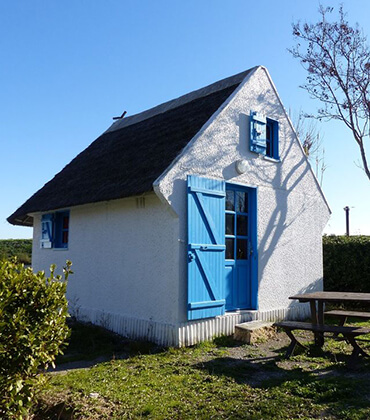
(239, 233)
(206, 247)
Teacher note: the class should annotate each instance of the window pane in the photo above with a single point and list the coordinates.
(61, 229)
(65, 222)
(242, 225)
(230, 248)
(241, 202)
(230, 200)
(229, 225)
(241, 249)
(268, 149)
(65, 237)
(270, 139)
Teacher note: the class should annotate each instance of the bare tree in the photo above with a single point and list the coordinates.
(337, 59)
(311, 139)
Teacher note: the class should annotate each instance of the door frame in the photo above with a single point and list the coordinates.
(253, 194)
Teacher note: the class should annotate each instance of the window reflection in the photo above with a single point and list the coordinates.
(241, 249)
(230, 200)
(242, 225)
(241, 202)
(229, 248)
(230, 218)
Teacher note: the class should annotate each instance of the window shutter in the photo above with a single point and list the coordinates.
(206, 247)
(257, 133)
(46, 231)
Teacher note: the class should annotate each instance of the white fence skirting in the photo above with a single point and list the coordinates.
(186, 333)
(139, 329)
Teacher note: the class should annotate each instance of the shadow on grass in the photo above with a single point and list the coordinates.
(343, 388)
(90, 344)
(253, 367)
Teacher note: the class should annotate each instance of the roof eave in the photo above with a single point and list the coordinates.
(25, 220)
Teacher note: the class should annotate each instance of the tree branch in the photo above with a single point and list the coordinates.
(337, 61)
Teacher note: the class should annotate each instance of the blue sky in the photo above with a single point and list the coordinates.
(68, 67)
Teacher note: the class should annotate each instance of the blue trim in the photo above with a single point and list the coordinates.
(206, 191)
(253, 238)
(237, 185)
(207, 247)
(61, 232)
(207, 304)
(254, 243)
(272, 141)
(263, 135)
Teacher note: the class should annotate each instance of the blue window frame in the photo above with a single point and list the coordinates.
(241, 254)
(61, 229)
(272, 139)
(264, 135)
(236, 225)
(55, 230)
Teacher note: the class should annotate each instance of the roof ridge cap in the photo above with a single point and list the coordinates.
(181, 100)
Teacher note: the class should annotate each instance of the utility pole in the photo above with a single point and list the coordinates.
(346, 209)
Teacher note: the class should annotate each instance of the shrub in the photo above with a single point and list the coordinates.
(20, 248)
(346, 263)
(33, 311)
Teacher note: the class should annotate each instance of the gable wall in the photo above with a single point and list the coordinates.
(292, 211)
(124, 260)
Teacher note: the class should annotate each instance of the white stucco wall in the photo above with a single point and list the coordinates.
(292, 211)
(125, 260)
(130, 263)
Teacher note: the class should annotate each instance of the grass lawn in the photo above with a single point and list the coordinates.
(220, 379)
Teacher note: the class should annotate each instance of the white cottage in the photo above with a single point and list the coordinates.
(186, 219)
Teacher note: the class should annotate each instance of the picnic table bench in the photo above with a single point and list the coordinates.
(343, 315)
(318, 299)
(349, 334)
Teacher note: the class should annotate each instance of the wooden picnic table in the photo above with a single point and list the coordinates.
(317, 300)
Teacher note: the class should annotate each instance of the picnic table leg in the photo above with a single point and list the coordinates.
(319, 339)
(342, 321)
(356, 348)
(320, 318)
(313, 311)
(292, 344)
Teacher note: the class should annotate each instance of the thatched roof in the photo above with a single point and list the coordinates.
(127, 158)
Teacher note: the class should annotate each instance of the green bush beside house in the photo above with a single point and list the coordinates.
(33, 312)
(346, 263)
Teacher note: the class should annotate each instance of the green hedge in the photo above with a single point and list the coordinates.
(347, 263)
(20, 248)
(33, 312)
